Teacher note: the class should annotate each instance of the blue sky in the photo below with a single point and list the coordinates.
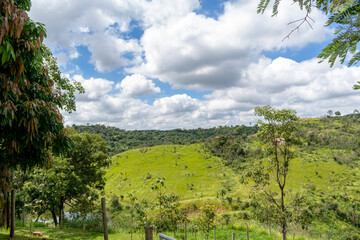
(186, 63)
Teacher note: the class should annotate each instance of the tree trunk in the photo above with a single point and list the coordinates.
(8, 213)
(61, 209)
(3, 216)
(283, 224)
(54, 217)
(12, 215)
(283, 231)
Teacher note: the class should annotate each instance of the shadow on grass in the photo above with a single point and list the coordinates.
(53, 234)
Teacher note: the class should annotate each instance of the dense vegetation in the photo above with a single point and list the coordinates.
(119, 140)
(324, 172)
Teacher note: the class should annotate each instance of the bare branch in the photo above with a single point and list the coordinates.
(302, 21)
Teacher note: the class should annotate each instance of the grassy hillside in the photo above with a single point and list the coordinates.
(325, 170)
(188, 171)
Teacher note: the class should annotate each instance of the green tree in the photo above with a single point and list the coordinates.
(74, 180)
(206, 220)
(342, 14)
(330, 113)
(32, 94)
(172, 214)
(337, 113)
(276, 134)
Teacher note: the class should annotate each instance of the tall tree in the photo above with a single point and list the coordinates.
(32, 93)
(342, 14)
(270, 175)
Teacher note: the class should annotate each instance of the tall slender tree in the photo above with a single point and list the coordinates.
(270, 175)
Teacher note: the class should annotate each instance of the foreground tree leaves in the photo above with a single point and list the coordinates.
(342, 14)
(31, 96)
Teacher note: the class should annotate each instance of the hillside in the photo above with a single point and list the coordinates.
(325, 170)
(188, 171)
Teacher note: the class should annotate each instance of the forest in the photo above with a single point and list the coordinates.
(119, 140)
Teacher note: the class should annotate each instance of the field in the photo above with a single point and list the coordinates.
(187, 170)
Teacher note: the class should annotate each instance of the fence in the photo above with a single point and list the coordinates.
(149, 229)
(164, 237)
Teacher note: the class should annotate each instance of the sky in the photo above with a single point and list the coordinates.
(166, 64)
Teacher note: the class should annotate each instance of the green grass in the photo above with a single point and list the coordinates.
(78, 234)
(66, 234)
(188, 171)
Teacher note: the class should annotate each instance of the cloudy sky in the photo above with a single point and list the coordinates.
(165, 64)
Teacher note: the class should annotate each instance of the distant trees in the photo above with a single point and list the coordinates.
(337, 113)
(119, 140)
(330, 112)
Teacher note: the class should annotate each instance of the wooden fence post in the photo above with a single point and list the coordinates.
(104, 218)
(12, 225)
(233, 236)
(149, 233)
(214, 233)
(247, 232)
(185, 232)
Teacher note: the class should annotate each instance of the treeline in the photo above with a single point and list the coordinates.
(119, 140)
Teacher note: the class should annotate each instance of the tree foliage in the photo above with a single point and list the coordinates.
(74, 180)
(119, 140)
(32, 92)
(342, 14)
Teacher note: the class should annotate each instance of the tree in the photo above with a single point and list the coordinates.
(343, 14)
(330, 113)
(206, 220)
(32, 94)
(276, 133)
(74, 180)
(337, 113)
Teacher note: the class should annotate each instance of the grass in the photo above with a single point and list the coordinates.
(78, 234)
(188, 171)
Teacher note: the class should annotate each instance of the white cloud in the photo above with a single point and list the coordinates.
(188, 50)
(137, 85)
(107, 51)
(198, 52)
(95, 88)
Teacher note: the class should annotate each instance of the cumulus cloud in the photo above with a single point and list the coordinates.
(171, 42)
(321, 89)
(95, 88)
(198, 52)
(137, 85)
(179, 46)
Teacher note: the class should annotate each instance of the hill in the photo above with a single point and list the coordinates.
(325, 170)
(187, 169)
